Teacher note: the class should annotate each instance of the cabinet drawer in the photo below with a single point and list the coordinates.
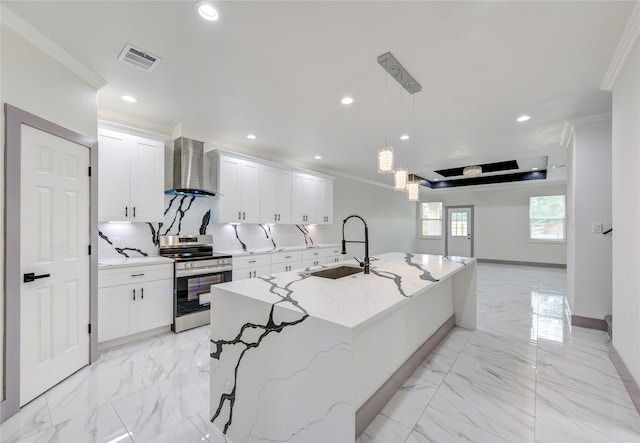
(334, 251)
(335, 258)
(285, 267)
(313, 254)
(250, 272)
(309, 263)
(246, 261)
(134, 274)
(286, 257)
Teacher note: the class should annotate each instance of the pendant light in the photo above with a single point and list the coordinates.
(385, 160)
(400, 177)
(413, 187)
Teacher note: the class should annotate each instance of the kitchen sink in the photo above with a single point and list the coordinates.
(334, 273)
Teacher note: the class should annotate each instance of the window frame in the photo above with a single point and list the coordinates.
(442, 221)
(564, 221)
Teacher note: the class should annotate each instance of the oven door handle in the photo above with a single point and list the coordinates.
(201, 271)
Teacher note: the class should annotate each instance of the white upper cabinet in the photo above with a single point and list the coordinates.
(131, 178)
(264, 192)
(304, 193)
(238, 183)
(324, 202)
(275, 195)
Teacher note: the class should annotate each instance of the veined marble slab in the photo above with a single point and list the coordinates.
(288, 350)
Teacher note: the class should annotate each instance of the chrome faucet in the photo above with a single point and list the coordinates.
(365, 263)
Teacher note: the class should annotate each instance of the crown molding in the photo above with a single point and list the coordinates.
(570, 126)
(131, 122)
(625, 45)
(40, 41)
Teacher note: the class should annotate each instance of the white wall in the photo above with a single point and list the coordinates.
(626, 213)
(390, 217)
(589, 188)
(501, 216)
(34, 82)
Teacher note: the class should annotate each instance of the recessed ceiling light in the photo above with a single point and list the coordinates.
(534, 169)
(346, 100)
(251, 137)
(436, 179)
(523, 118)
(207, 11)
(318, 157)
(130, 99)
(404, 137)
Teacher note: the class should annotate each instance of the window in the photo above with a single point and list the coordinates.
(459, 224)
(547, 218)
(431, 219)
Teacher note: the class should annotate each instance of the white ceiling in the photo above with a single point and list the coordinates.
(279, 69)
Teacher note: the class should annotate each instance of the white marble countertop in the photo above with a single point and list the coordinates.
(257, 251)
(353, 300)
(122, 262)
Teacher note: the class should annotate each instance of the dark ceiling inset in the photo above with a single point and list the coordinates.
(486, 167)
(482, 180)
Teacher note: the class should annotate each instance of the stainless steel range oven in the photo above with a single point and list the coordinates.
(197, 267)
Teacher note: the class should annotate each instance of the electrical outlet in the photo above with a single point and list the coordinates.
(596, 227)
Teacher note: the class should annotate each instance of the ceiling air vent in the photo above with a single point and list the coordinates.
(138, 58)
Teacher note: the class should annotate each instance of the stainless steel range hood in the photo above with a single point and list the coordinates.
(188, 168)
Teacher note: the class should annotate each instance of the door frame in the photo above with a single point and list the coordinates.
(14, 119)
(446, 226)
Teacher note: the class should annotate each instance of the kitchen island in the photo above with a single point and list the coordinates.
(296, 357)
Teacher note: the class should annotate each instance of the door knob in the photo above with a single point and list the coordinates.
(27, 278)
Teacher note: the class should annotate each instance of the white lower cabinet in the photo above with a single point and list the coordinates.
(286, 261)
(250, 266)
(314, 257)
(334, 255)
(134, 299)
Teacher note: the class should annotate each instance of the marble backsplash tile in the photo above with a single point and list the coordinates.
(192, 215)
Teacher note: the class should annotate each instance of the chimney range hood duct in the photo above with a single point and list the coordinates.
(188, 168)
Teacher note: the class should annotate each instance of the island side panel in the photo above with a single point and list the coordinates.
(382, 345)
(465, 296)
(277, 374)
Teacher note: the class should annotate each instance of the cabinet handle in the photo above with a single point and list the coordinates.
(254, 273)
(239, 215)
(275, 217)
(249, 274)
(287, 256)
(137, 275)
(252, 261)
(126, 211)
(134, 212)
(134, 295)
(142, 293)
(243, 217)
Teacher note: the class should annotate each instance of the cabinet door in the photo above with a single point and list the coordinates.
(249, 186)
(228, 179)
(304, 191)
(117, 312)
(297, 198)
(283, 196)
(155, 304)
(147, 180)
(325, 201)
(113, 177)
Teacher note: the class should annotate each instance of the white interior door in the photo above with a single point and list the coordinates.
(459, 232)
(55, 224)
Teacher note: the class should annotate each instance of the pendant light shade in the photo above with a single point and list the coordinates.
(400, 177)
(385, 160)
(413, 191)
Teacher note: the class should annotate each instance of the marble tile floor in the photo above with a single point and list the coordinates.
(524, 375)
